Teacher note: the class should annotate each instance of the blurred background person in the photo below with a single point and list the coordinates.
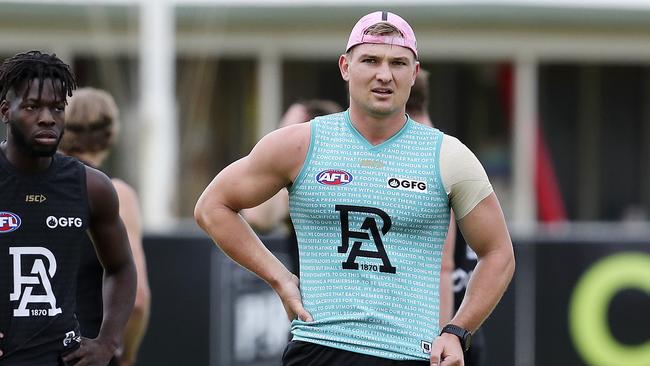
(458, 259)
(91, 129)
(272, 216)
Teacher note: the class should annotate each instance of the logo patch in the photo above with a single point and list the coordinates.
(426, 347)
(70, 337)
(334, 177)
(8, 222)
(407, 185)
(371, 163)
(368, 231)
(37, 198)
(54, 222)
(35, 287)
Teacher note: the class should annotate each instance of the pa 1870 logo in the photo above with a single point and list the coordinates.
(8, 222)
(334, 177)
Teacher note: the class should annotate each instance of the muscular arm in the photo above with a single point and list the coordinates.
(270, 166)
(483, 226)
(485, 231)
(270, 215)
(112, 247)
(273, 213)
(136, 326)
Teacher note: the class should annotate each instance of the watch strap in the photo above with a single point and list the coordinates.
(463, 335)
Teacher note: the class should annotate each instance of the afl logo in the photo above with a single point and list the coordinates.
(8, 222)
(334, 177)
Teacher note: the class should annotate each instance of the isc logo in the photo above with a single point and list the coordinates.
(333, 177)
(8, 222)
(38, 198)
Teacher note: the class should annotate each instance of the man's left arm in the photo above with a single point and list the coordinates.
(485, 231)
(483, 226)
(113, 251)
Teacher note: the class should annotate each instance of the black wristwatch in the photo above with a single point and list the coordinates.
(464, 335)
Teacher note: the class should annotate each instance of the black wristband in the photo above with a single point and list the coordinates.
(464, 335)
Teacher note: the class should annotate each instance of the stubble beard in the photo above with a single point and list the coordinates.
(32, 150)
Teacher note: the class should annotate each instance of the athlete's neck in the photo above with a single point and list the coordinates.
(23, 161)
(377, 129)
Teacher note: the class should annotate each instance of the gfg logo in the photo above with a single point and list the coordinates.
(334, 177)
(54, 222)
(407, 184)
(8, 222)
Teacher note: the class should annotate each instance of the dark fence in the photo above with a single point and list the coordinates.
(573, 301)
(207, 310)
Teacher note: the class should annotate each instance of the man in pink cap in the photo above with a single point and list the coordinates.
(370, 193)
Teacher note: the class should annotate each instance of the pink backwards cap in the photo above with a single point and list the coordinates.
(358, 36)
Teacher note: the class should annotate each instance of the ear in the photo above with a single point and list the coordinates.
(4, 111)
(344, 66)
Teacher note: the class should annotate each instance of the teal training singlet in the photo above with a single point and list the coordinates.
(371, 223)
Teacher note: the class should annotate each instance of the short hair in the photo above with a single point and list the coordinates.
(320, 107)
(22, 68)
(418, 101)
(381, 29)
(92, 122)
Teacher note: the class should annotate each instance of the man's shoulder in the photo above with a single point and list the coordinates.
(329, 118)
(287, 135)
(452, 143)
(96, 176)
(98, 184)
(66, 162)
(423, 129)
(65, 169)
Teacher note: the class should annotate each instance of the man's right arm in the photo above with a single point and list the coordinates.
(272, 164)
(270, 215)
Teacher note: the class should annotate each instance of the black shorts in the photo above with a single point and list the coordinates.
(300, 353)
(113, 361)
(476, 356)
(47, 359)
(32, 357)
